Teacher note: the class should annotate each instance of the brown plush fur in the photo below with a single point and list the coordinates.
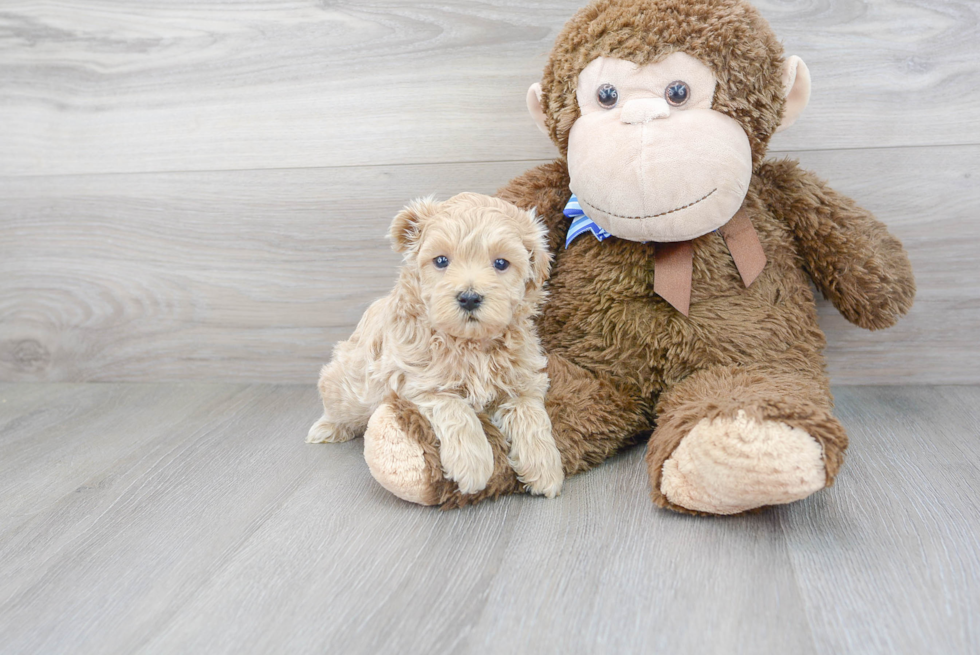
(763, 392)
(621, 360)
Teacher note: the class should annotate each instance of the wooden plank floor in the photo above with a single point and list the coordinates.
(192, 518)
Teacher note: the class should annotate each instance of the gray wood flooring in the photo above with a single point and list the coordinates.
(199, 189)
(166, 518)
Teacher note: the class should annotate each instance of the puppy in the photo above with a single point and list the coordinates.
(456, 337)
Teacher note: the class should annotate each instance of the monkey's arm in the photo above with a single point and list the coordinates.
(543, 187)
(850, 255)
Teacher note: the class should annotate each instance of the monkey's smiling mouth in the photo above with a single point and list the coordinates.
(677, 209)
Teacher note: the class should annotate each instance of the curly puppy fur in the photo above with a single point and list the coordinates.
(423, 345)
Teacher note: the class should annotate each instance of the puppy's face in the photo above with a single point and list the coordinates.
(477, 258)
(472, 276)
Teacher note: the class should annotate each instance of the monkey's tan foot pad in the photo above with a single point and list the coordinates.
(396, 460)
(727, 466)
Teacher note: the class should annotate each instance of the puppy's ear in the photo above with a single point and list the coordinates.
(407, 226)
(536, 242)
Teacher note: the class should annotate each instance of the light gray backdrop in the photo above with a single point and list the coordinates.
(201, 190)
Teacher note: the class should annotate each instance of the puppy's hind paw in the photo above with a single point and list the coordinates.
(324, 431)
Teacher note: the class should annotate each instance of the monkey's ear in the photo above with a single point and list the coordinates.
(534, 106)
(407, 225)
(536, 242)
(796, 87)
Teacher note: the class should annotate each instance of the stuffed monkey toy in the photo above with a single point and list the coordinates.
(680, 310)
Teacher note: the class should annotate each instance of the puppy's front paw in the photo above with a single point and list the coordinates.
(538, 465)
(468, 461)
(324, 431)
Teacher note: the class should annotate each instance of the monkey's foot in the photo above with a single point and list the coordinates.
(396, 460)
(730, 465)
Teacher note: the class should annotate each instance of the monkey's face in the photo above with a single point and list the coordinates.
(648, 158)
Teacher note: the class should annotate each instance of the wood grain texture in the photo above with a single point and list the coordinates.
(889, 562)
(44, 459)
(164, 514)
(218, 530)
(244, 275)
(253, 275)
(116, 87)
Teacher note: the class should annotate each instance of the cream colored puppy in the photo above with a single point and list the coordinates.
(456, 337)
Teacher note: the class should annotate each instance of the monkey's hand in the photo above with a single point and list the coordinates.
(850, 255)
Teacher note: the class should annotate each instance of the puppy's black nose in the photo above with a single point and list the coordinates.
(469, 300)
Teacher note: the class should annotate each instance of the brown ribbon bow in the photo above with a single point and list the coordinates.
(674, 262)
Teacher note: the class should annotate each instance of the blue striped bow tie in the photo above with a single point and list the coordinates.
(581, 223)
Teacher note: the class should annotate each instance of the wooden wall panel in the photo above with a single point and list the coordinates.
(105, 86)
(252, 275)
(223, 275)
(199, 189)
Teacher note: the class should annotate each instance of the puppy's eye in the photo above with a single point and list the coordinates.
(677, 93)
(501, 264)
(441, 261)
(607, 96)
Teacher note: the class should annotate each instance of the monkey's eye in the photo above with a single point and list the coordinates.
(607, 95)
(501, 264)
(441, 261)
(677, 93)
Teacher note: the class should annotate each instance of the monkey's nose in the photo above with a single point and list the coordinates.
(469, 300)
(644, 110)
